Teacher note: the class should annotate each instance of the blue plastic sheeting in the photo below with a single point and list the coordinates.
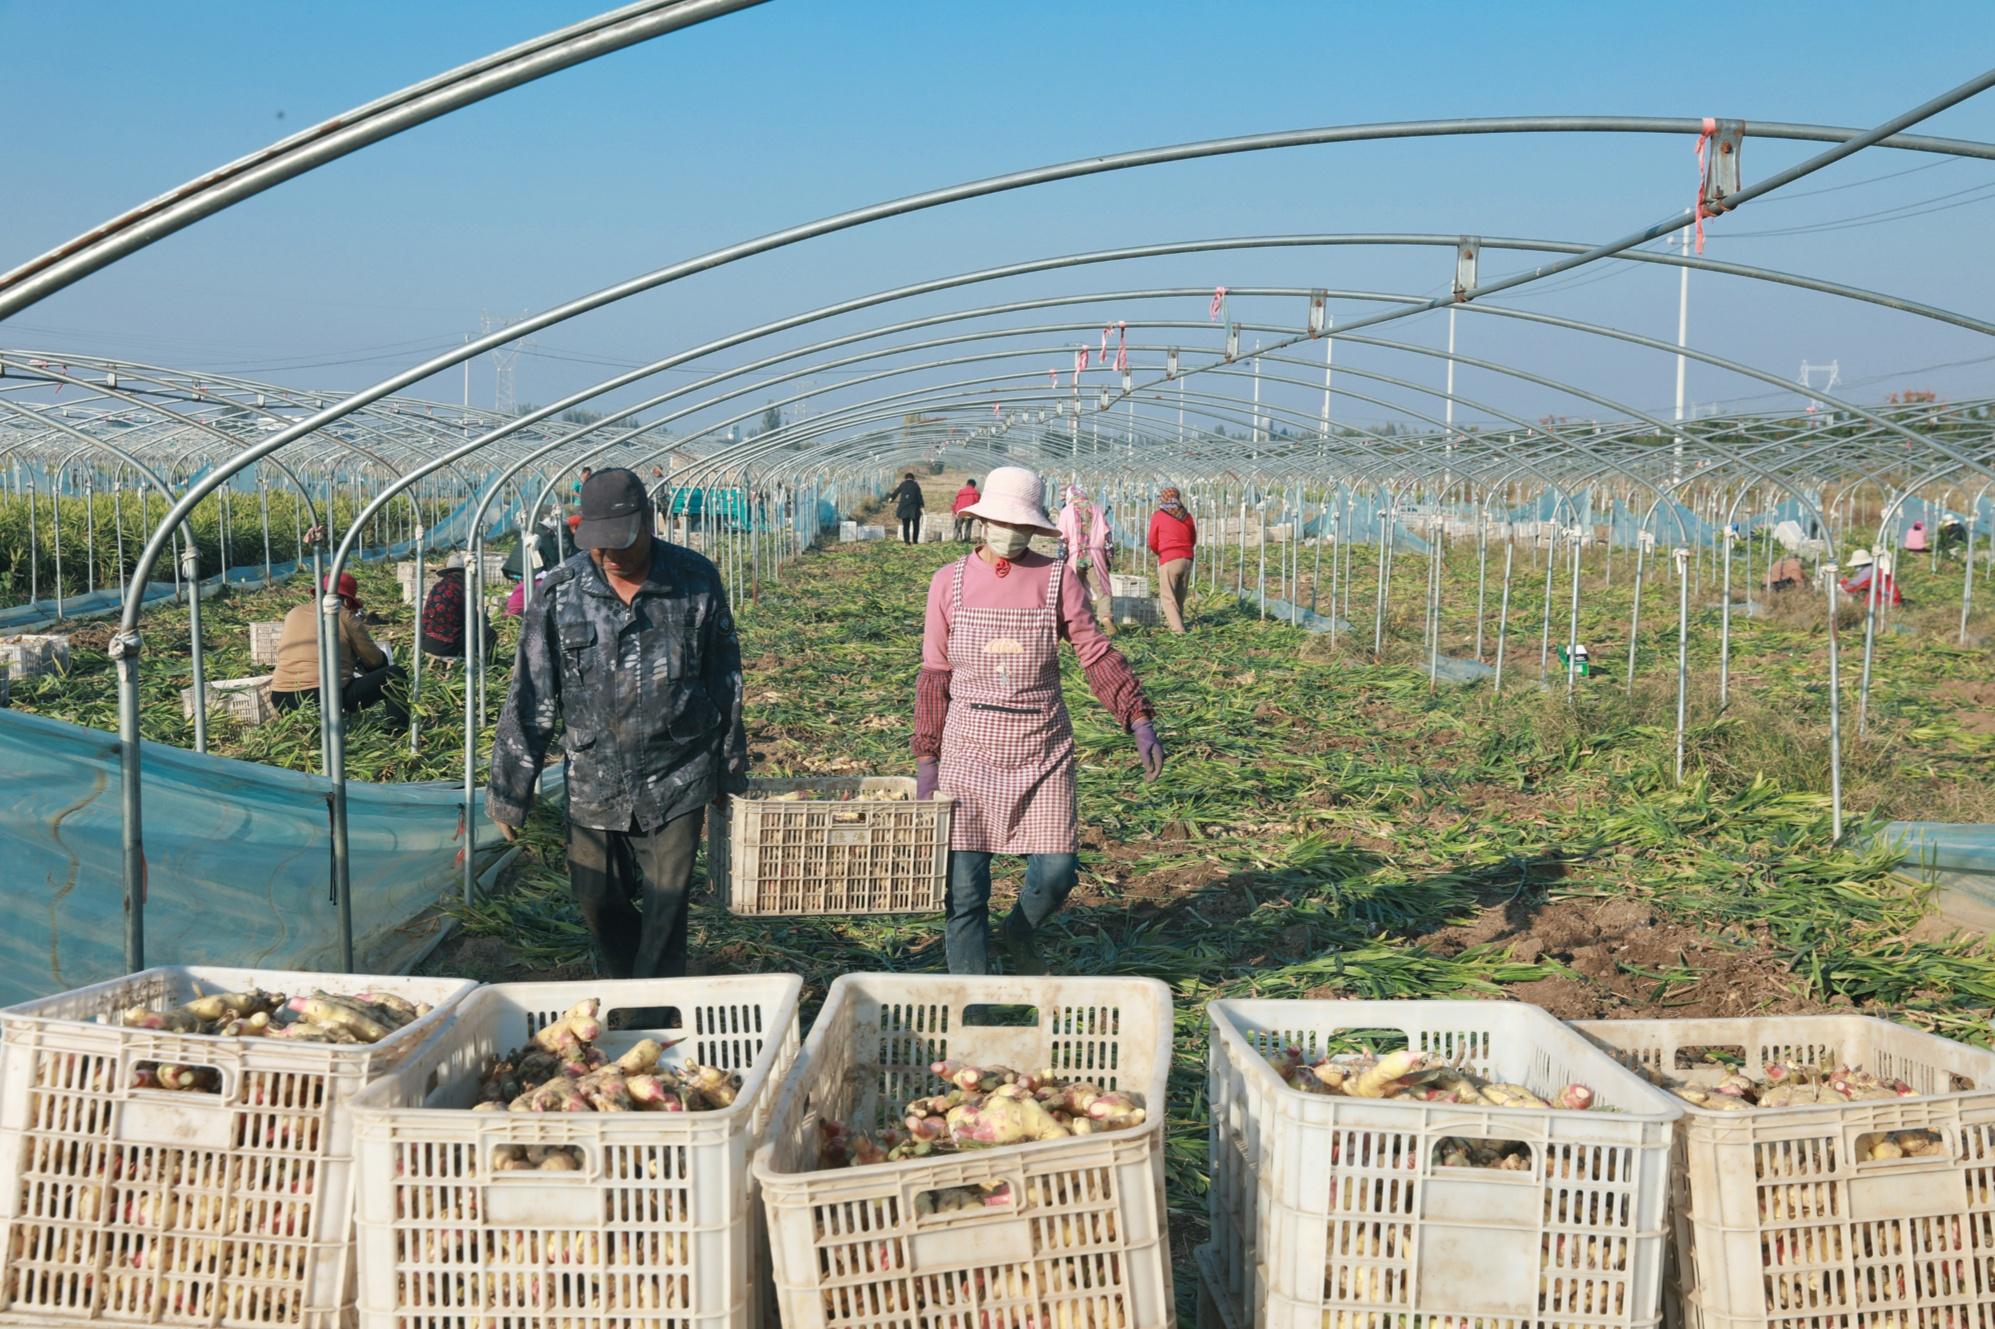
(238, 859)
(1958, 855)
(1295, 615)
(37, 614)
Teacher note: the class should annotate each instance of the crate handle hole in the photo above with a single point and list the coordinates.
(1369, 1042)
(539, 1161)
(1485, 1155)
(985, 1197)
(1913, 1146)
(178, 1077)
(1704, 1056)
(644, 1019)
(990, 1016)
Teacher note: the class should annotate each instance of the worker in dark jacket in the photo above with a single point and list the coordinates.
(907, 506)
(629, 649)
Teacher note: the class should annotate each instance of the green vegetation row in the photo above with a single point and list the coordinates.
(94, 530)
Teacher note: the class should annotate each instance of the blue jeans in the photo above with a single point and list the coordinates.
(1048, 879)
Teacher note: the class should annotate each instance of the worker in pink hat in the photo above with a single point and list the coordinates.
(990, 723)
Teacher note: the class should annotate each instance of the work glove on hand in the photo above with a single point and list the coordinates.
(927, 774)
(1149, 749)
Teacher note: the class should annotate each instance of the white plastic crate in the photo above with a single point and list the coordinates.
(867, 533)
(1086, 1246)
(848, 532)
(1134, 586)
(247, 699)
(263, 639)
(658, 1227)
(1779, 1217)
(1128, 611)
(147, 1206)
(937, 527)
(33, 654)
(1339, 1211)
(831, 854)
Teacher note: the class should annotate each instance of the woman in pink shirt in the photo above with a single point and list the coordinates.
(990, 722)
(1084, 527)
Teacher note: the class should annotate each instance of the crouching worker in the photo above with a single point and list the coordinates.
(368, 675)
(628, 651)
(443, 615)
(1786, 574)
(990, 724)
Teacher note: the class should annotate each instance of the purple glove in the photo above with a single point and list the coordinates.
(1149, 749)
(926, 774)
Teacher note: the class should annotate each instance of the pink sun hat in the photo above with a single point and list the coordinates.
(1014, 496)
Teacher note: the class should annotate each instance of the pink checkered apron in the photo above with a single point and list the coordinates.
(1007, 745)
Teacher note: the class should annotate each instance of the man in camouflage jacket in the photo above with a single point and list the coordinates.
(630, 651)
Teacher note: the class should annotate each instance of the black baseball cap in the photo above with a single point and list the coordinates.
(614, 510)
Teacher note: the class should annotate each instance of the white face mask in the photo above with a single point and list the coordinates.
(1006, 542)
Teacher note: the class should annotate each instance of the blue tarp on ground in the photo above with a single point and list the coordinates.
(1449, 669)
(238, 859)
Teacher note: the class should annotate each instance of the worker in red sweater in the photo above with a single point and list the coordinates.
(965, 496)
(1173, 538)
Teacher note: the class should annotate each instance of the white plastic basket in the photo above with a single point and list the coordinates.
(1339, 1211)
(146, 1206)
(833, 854)
(1781, 1219)
(1129, 612)
(263, 639)
(658, 1227)
(32, 654)
(247, 699)
(1134, 586)
(1086, 1246)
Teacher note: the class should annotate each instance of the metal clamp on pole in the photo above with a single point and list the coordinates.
(1721, 176)
(1319, 314)
(1232, 343)
(1465, 261)
(1171, 363)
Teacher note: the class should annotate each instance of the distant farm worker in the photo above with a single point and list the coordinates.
(1952, 534)
(1173, 539)
(443, 614)
(1786, 574)
(1863, 568)
(908, 504)
(1915, 539)
(367, 675)
(965, 497)
(628, 649)
(990, 724)
(1084, 527)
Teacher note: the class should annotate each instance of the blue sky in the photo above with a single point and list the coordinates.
(802, 108)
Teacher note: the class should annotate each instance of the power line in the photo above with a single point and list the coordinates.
(1784, 197)
(1982, 193)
